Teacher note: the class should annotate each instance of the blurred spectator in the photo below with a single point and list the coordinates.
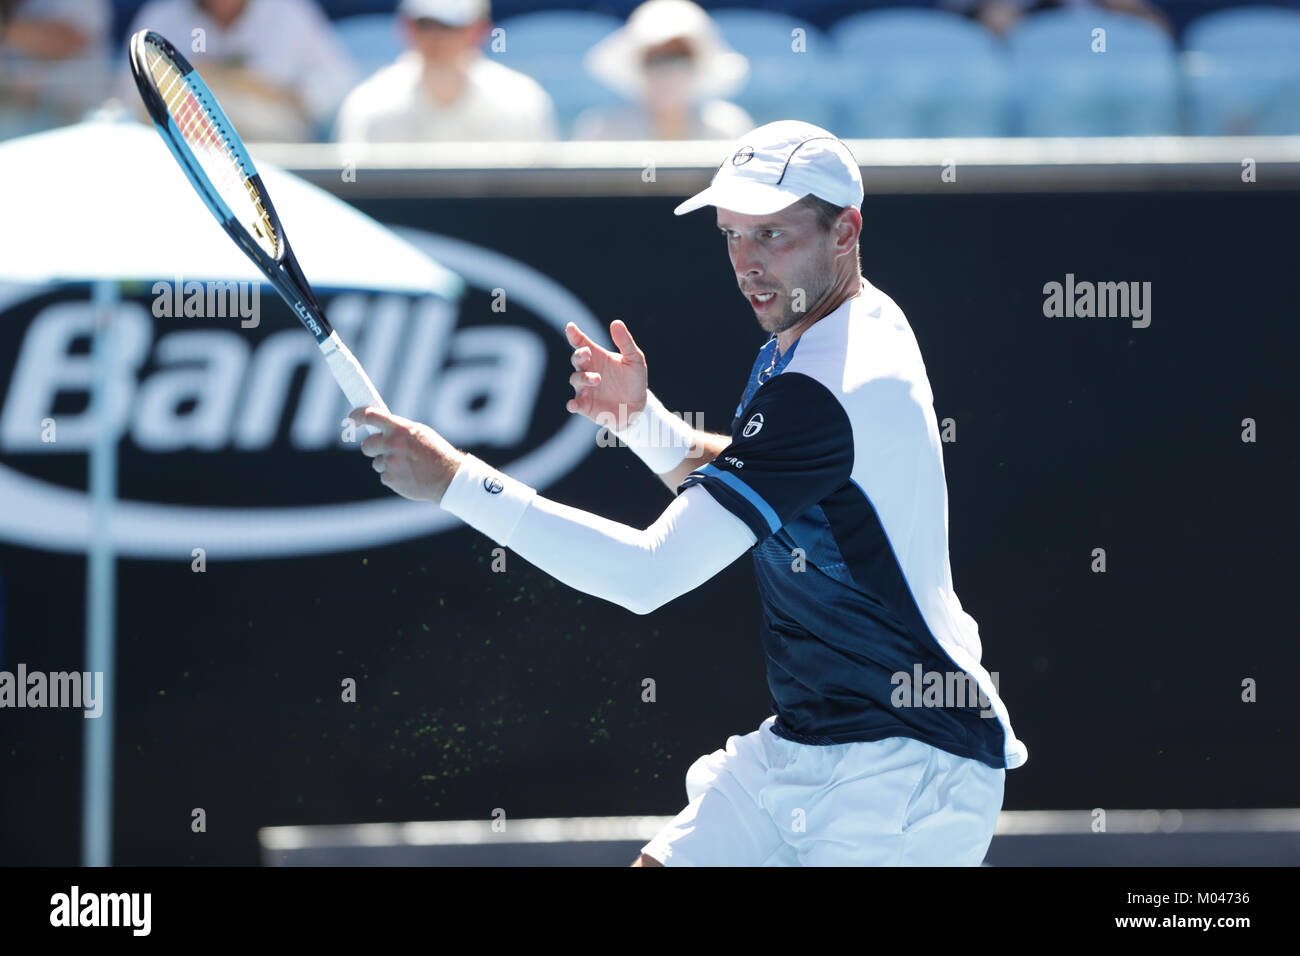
(444, 89)
(276, 66)
(1001, 15)
(54, 61)
(674, 65)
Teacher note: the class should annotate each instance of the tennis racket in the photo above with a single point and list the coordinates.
(209, 150)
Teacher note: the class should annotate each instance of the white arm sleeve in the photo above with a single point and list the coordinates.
(692, 540)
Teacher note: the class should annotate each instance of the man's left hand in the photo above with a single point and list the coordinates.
(412, 459)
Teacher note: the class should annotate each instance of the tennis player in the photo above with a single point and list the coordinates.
(888, 743)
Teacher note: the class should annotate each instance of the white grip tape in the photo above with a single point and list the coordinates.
(351, 377)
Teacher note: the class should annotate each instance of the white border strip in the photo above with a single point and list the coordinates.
(707, 154)
(631, 829)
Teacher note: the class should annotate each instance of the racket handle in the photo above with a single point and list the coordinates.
(352, 378)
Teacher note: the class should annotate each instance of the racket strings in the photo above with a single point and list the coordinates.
(211, 146)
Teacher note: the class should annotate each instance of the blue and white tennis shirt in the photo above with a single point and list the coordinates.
(837, 467)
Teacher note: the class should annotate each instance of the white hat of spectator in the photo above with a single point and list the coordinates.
(618, 59)
(778, 164)
(454, 13)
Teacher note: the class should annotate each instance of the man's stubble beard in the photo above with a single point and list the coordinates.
(824, 280)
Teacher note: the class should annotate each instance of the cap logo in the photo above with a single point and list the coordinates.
(743, 155)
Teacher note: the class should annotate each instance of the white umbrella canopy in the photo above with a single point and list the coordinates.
(104, 202)
(104, 199)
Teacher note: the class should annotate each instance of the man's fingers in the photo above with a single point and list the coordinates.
(618, 331)
(581, 380)
(380, 464)
(373, 416)
(372, 446)
(581, 358)
(577, 338)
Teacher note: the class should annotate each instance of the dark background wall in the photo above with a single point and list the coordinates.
(481, 690)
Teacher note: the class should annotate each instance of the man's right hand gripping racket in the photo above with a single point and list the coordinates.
(209, 150)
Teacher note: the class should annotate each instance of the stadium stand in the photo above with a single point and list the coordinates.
(921, 73)
(1242, 72)
(875, 68)
(781, 85)
(549, 46)
(1066, 85)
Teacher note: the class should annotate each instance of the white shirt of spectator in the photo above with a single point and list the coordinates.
(287, 43)
(499, 104)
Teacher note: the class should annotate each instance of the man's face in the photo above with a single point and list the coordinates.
(225, 12)
(443, 45)
(784, 262)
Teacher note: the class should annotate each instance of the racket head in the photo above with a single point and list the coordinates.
(207, 146)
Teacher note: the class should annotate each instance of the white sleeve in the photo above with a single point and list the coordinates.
(657, 436)
(692, 540)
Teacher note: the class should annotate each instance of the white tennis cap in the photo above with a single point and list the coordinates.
(778, 164)
(454, 13)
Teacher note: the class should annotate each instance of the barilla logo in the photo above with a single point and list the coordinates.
(252, 423)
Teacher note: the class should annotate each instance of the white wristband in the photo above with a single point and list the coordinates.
(486, 499)
(658, 437)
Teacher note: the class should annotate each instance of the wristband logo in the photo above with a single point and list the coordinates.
(493, 485)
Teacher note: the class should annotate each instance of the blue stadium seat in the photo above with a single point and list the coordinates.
(1065, 88)
(549, 46)
(1182, 12)
(920, 73)
(373, 39)
(792, 66)
(1242, 71)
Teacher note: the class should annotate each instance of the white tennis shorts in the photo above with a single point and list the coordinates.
(768, 801)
